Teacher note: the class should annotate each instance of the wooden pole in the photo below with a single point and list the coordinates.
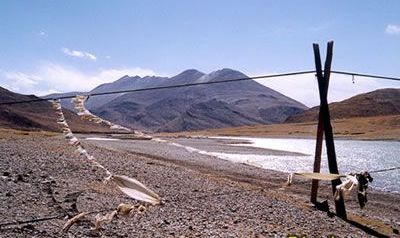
(323, 79)
(319, 140)
(317, 158)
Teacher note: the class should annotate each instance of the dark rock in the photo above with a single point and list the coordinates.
(20, 178)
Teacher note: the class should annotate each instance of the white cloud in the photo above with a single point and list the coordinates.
(392, 29)
(304, 88)
(42, 34)
(16, 81)
(50, 77)
(79, 54)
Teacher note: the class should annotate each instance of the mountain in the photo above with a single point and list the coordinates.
(381, 102)
(124, 83)
(38, 115)
(197, 107)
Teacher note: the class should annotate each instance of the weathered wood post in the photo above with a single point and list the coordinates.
(323, 82)
(319, 139)
(317, 157)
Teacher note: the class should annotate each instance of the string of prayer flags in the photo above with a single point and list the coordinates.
(129, 186)
(79, 105)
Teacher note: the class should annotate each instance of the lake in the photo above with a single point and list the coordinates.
(352, 156)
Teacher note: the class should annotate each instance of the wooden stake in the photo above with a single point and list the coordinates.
(317, 158)
(323, 80)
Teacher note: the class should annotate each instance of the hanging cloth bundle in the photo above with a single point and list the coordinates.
(79, 105)
(363, 179)
(351, 181)
(358, 180)
(129, 186)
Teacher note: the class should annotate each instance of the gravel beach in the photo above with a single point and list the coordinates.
(44, 182)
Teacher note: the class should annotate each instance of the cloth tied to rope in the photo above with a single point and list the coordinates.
(79, 105)
(129, 186)
(351, 181)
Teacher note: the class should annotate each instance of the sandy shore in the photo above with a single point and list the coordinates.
(202, 196)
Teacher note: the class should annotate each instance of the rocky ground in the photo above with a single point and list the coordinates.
(43, 182)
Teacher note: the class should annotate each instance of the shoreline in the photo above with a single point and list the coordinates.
(242, 146)
(202, 196)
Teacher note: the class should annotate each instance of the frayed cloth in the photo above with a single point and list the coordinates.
(73, 140)
(351, 182)
(135, 189)
(79, 105)
(123, 209)
(73, 220)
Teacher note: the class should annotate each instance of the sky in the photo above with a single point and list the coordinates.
(52, 46)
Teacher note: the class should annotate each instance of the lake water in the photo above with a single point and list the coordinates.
(352, 156)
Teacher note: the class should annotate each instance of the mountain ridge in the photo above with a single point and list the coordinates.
(164, 110)
(36, 116)
(381, 102)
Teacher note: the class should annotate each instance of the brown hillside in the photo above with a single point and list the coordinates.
(366, 128)
(381, 102)
(38, 115)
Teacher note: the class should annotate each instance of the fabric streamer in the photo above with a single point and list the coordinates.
(358, 180)
(134, 188)
(79, 105)
(351, 181)
(129, 186)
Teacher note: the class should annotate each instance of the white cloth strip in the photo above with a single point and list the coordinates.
(129, 186)
(79, 105)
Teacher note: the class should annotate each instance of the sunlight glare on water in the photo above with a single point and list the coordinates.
(352, 156)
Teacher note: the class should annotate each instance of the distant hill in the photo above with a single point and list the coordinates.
(37, 115)
(198, 107)
(381, 102)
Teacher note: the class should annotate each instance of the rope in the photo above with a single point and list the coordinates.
(109, 210)
(203, 83)
(14, 223)
(383, 170)
(365, 75)
(164, 87)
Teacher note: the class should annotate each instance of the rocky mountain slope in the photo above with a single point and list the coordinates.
(198, 107)
(37, 115)
(381, 102)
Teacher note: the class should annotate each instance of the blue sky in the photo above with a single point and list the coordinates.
(57, 46)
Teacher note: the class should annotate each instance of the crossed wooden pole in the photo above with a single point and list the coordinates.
(324, 125)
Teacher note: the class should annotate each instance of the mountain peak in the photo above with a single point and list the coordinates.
(190, 73)
(187, 76)
(222, 74)
(227, 72)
